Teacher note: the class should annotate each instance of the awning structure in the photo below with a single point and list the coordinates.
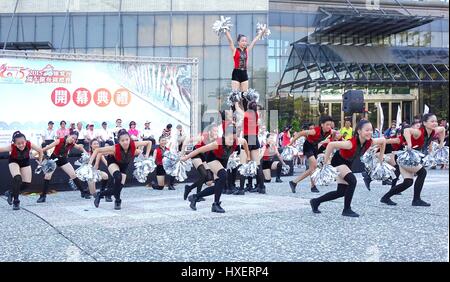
(352, 26)
(18, 46)
(312, 65)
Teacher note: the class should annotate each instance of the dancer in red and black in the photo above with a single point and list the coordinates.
(119, 158)
(158, 154)
(418, 139)
(199, 162)
(268, 160)
(311, 147)
(62, 148)
(19, 166)
(94, 144)
(217, 158)
(342, 160)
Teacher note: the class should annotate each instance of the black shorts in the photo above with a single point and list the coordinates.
(338, 160)
(210, 175)
(22, 163)
(160, 170)
(388, 149)
(267, 164)
(122, 166)
(61, 160)
(239, 75)
(310, 150)
(253, 142)
(201, 157)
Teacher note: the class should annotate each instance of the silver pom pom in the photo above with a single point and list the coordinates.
(251, 95)
(288, 153)
(325, 175)
(428, 161)
(47, 166)
(440, 155)
(175, 167)
(249, 169)
(87, 172)
(383, 171)
(262, 28)
(233, 97)
(320, 160)
(369, 159)
(143, 167)
(72, 185)
(299, 144)
(285, 169)
(233, 161)
(222, 25)
(409, 158)
(83, 160)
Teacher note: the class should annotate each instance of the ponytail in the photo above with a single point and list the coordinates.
(17, 135)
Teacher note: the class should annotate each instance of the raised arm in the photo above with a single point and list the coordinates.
(39, 150)
(409, 133)
(303, 133)
(346, 145)
(441, 131)
(186, 141)
(381, 142)
(103, 151)
(148, 145)
(50, 146)
(258, 36)
(210, 147)
(230, 41)
(80, 147)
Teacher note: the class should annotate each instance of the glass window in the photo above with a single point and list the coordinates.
(259, 84)
(179, 30)
(260, 18)
(162, 28)
(130, 30)
(43, 29)
(145, 30)
(211, 37)
(336, 114)
(111, 51)
(211, 62)
(26, 28)
(179, 52)
(95, 31)
(4, 25)
(226, 62)
(162, 52)
(445, 39)
(259, 62)
(245, 26)
(130, 51)
(301, 20)
(145, 51)
(112, 35)
(211, 94)
(274, 19)
(195, 30)
(78, 34)
(436, 39)
(197, 52)
(58, 32)
(287, 19)
(98, 51)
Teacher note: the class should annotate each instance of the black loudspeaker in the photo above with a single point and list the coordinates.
(353, 102)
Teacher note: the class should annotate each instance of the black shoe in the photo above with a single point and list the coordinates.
(9, 198)
(217, 208)
(108, 199)
(239, 192)
(399, 193)
(16, 206)
(293, 185)
(386, 182)
(87, 196)
(367, 181)
(171, 187)
(97, 200)
(314, 206)
(228, 191)
(314, 189)
(349, 213)
(253, 190)
(420, 203)
(201, 199)
(193, 200)
(262, 191)
(278, 180)
(187, 190)
(388, 201)
(117, 205)
(41, 199)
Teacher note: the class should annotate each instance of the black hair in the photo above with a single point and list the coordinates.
(169, 126)
(239, 37)
(122, 132)
(324, 119)
(74, 133)
(253, 106)
(161, 137)
(360, 125)
(131, 122)
(61, 122)
(118, 119)
(425, 118)
(16, 135)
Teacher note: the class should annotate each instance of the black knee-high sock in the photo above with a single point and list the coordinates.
(349, 190)
(418, 185)
(104, 182)
(45, 188)
(333, 195)
(397, 174)
(117, 185)
(208, 191)
(260, 177)
(17, 183)
(407, 182)
(233, 176)
(78, 183)
(279, 168)
(25, 186)
(250, 182)
(200, 180)
(221, 183)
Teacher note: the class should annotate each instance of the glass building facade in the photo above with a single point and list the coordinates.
(187, 32)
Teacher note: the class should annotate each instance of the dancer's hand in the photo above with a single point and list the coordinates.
(184, 158)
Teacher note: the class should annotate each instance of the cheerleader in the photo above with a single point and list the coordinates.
(342, 160)
(219, 153)
(250, 131)
(268, 163)
(62, 148)
(239, 77)
(91, 185)
(418, 139)
(314, 138)
(199, 162)
(19, 166)
(158, 154)
(119, 158)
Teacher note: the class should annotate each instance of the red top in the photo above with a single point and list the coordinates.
(16, 154)
(120, 154)
(62, 149)
(240, 58)
(396, 147)
(267, 152)
(318, 136)
(159, 155)
(223, 152)
(251, 123)
(285, 139)
(356, 150)
(420, 142)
